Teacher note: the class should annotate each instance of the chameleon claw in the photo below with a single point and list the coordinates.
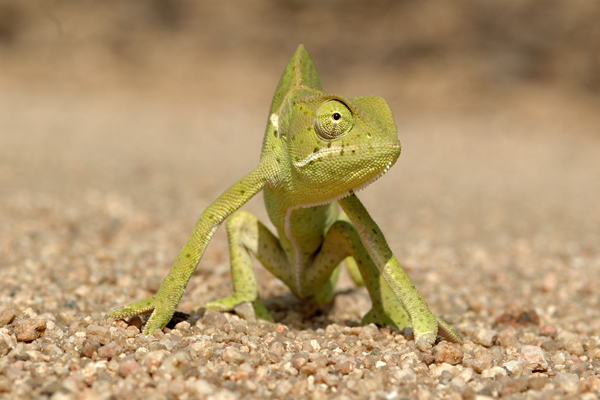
(159, 318)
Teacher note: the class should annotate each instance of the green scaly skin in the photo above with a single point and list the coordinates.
(317, 151)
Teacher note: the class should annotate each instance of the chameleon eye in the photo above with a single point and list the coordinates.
(333, 119)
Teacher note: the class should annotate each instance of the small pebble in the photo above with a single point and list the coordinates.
(567, 382)
(565, 337)
(177, 364)
(5, 344)
(446, 352)
(575, 347)
(203, 388)
(532, 358)
(110, 350)
(518, 316)
(299, 360)
(548, 330)
(368, 332)
(507, 337)
(214, 318)
(589, 344)
(153, 360)
(233, 355)
(89, 347)
(483, 362)
(99, 333)
(467, 374)
(225, 394)
(514, 367)
(494, 372)
(550, 345)
(127, 366)
(246, 311)
(560, 358)
(406, 377)
(28, 330)
(346, 365)
(277, 348)
(438, 369)
(537, 382)
(484, 337)
(514, 386)
(5, 385)
(7, 316)
(309, 369)
(282, 389)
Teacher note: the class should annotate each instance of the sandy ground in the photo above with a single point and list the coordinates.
(492, 208)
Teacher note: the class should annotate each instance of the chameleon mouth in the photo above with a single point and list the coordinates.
(373, 179)
(351, 191)
(322, 153)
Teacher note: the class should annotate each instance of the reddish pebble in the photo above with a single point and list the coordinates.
(214, 318)
(483, 362)
(88, 348)
(518, 316)
(110, 350)
(29, 329)
(98, 333)
(7, 316)
(548, 330)
(450, 353)
(232, 355)
(299, 360)
(127, 366)
(176, 364)
(154, 359)
(532, 357)
(346, 365)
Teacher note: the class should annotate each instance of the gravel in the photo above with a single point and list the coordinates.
(223, 356)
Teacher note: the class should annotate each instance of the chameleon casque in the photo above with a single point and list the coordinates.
(318, 150)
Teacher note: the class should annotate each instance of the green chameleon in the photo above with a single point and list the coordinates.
(318, 150)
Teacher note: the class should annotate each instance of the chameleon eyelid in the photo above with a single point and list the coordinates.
(327, 126)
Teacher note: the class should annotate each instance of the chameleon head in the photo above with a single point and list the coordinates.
(339, 145)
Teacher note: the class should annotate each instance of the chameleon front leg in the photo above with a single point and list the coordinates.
(343, 241)
(426, 326)
(163, 303)
(247, 235)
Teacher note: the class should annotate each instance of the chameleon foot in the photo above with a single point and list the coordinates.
(161, 313)
(447, 332)
(430, 327)
(401, 321)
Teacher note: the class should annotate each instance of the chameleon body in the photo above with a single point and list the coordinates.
(318, 150)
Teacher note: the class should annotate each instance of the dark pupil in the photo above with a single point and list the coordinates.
(336, 116)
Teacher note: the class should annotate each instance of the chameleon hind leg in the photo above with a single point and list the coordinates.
(350, 262)
(248, 235)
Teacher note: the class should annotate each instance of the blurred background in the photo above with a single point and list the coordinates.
(440, 52)
(492, 99)
(165, 101)
(120, 121)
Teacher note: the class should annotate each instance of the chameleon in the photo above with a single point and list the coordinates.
(319, 149)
